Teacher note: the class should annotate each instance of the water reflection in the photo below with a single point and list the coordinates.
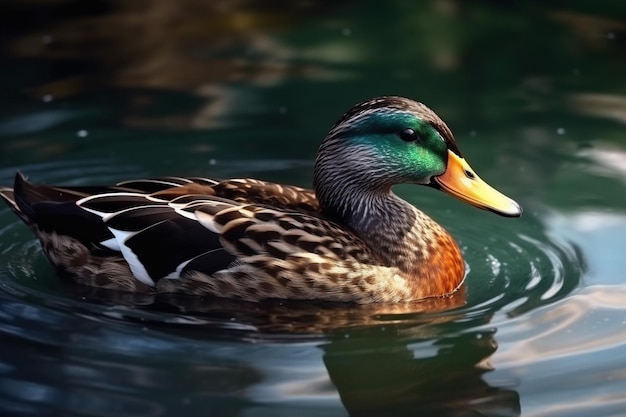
(204, 51)
(440, 377)
(599, 233)
(566, 355)
(85, 364)
(606, 106)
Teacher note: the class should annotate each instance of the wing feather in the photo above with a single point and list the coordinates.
(173, 227)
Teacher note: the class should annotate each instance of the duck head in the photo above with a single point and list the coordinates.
(394, 140)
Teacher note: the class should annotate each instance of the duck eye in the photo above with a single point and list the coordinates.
(408, 135)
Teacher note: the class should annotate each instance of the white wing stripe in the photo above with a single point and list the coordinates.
(186, 214)
(178, 270)
(111, 194)
(207, 221)
(139, 271)
(180, 267)
(111, 244)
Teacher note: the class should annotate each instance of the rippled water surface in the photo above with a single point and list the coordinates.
(106, 91)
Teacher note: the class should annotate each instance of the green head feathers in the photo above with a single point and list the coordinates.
(382, 142)
(399, 144)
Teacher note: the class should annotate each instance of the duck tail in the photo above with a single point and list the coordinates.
(50, 208)
(14, 198)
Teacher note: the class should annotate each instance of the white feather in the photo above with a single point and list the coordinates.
(181, 266)
(103, 214)
(176, 273)
(207, 221)
(139, 271)
(186, 214)
(111, 244)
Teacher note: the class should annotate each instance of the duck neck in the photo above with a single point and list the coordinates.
(397, 234)
(381, 219)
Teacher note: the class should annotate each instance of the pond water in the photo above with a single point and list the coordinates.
(99, 92)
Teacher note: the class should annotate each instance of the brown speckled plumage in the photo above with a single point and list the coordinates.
(351, 239)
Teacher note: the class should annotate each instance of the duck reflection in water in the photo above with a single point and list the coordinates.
(396, 359)
(437, 377)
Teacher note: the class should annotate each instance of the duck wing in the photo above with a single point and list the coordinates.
(164, 228)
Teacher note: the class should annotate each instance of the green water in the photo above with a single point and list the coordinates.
(98, 92)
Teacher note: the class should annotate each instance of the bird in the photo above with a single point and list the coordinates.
(349, 239)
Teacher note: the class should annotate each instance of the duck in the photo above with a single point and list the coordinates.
(348, 239)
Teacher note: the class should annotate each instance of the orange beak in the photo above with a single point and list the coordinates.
(460, 181)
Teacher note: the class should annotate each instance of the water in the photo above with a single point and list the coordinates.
(535, 95)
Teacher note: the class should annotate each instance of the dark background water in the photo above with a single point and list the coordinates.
(102, 91)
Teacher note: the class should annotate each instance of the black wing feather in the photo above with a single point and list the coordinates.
(164, 246)
(140, 218)
(114, 203)
(211, 261)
